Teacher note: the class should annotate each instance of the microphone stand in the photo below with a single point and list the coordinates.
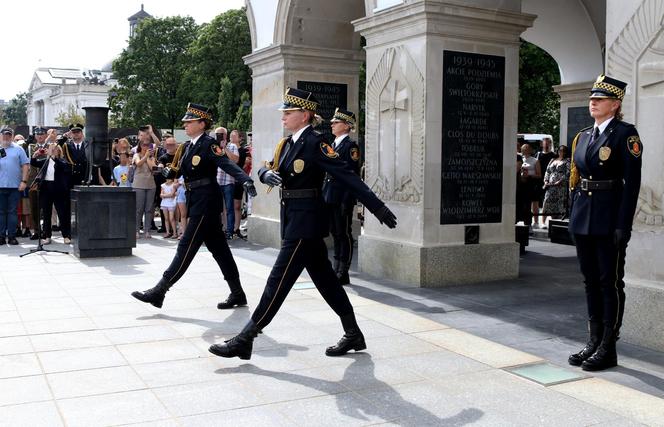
(40, 245)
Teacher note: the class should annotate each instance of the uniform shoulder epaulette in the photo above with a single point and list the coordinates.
(586, 128)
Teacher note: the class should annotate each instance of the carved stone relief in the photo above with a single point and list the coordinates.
(395, 128)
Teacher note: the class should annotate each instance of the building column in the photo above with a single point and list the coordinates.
(574, 114)
(442, 103)
(331, 74)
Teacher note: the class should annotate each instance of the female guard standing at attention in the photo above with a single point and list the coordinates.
(299, 166)
(605, 179)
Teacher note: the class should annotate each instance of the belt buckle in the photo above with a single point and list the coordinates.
(584, 184)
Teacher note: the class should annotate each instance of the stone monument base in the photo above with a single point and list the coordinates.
(438, 266)
(264, 231)
(644, 317)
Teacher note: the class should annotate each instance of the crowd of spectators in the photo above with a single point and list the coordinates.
(37, 175)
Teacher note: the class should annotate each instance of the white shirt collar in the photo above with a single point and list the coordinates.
(194, 140)
(602, 126)
(297, 134)
(338, 139)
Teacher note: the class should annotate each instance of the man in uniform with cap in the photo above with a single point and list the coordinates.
(197, 161)
(299, 165)
(14, 168)
(37, 150)
(605, 179)
(341, 202)
(75, 151)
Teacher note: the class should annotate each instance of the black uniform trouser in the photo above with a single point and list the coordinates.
(295, 256)
(341, 228)
(204, 229)
(49, 195)
(603, 268)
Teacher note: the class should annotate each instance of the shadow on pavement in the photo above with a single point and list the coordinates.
(385, 403)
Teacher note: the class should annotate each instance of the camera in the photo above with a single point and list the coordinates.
(41, 151)
(3, 153)
(156, 170)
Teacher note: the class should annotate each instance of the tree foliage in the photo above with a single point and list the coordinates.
(70, 116)
(242, 120)
(16, 112)
(151, 72)
(217, 53)
(225, 102)
(539, 105)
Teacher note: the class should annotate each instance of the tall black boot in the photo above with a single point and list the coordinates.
(154, 296)
(352, 339)
(596, 329)
(238, 346)
(335, 265)
(342, 273)
(236, 297)
(605, 356)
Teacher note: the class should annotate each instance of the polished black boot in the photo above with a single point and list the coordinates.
(237, 298)
(342, 274)
(595, 329)
(154, 296)
(605, 356)
(238, 346)
(352, 339)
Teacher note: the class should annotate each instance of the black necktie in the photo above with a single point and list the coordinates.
(287, 148)
(595, 135)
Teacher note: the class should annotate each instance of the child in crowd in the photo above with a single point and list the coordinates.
(121, 172)
(168, 205)
(181, 206)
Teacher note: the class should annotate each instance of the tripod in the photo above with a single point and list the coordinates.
(40, 245)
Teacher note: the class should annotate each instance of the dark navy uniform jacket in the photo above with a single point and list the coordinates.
(616, 155)
(334, 192)
(199, 162)
(79, 160)
(303, 167)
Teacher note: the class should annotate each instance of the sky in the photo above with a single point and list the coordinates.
(78, 33)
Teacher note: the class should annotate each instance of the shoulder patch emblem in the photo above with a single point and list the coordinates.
(355, 154)
(634, 145)
(328, 151)
(217, 150)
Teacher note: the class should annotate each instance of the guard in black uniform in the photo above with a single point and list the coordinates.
(605, 180)
(75, 152)
(197, 160)
(340, 201)
(299, 165)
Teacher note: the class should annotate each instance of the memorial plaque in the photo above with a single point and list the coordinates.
(577, 119)
(472, 152)
(330, 96)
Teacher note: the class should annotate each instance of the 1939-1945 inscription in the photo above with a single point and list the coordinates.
(330, 96)
(472, 152)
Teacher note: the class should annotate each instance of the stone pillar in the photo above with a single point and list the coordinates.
(274, 69)
(574, 114)
(407, 151)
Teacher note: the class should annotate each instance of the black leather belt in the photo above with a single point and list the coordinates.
(598, 185)
(190, 185)
(300, 194)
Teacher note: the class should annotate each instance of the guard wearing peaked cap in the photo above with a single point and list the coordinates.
(605, 180)
(298, 167)
(340, 201)
(197, 161)
(76, 151)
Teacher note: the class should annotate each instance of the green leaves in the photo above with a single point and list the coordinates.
(539, 105)
(16, 113)
(172, 61)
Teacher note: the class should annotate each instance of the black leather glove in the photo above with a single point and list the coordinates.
(250, 189)
(166, 172)
(621, 237)
(272, 178)
(385, 216)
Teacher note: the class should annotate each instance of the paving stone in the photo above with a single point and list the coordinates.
(141, 334)
(177, 372)
(9, 316)
(94, 381)
(19, 365)
(69, 340)
(347, 409)
(264, 416)
(112, 409)
(159, 351)
(59, 325)
(30, 415)
(199, 398)
(11, 329)
(23, 390)
(15, 345)
(79, 359)
(399, 319)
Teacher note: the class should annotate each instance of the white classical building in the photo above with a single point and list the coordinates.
(54, 90)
